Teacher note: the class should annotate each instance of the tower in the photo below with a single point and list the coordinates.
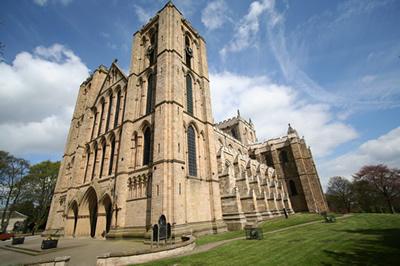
(170, 124)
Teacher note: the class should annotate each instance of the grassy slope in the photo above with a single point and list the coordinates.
(363, 239)
(267, 226)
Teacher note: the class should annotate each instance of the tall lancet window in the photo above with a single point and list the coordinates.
(117, 107)
(191, 140)
(94, 160)
(103, 155)
(147, 146)
(152, 50)
(150, 93)
(87, 163)
(109, 112)
(101, 117)
(94, 122)
(189, 94)
(188, 52)
(110, 166)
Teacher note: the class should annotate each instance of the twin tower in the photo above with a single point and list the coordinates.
(143, 148)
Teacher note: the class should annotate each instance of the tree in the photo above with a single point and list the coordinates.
(386, 181)
(12, 170)
(340, 194)
(40, 183)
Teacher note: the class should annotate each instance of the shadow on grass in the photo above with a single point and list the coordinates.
(382, 248)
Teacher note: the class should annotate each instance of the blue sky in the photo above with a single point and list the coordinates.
(330, 68)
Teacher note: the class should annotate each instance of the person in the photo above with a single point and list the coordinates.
(285, 212)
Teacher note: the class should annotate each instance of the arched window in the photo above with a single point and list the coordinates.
(87, 163)
(103, 155)
(101, 117)
(117, 107)
(293, 189)
(152, 51)
(188, 52)
(234, 133)
(150, 93)
(110, 166)
(189, 94)
(94, 122)
(284, 157)
(109, 112)
(95, 160)
(147, 146)
(191, 140)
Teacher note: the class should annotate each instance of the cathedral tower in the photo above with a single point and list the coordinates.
(171, 128)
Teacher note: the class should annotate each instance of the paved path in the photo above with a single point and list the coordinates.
(83, 251)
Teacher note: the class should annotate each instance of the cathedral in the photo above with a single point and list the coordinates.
(143, 148)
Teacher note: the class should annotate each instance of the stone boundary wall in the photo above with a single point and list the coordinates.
(58, 261)
(125, 258)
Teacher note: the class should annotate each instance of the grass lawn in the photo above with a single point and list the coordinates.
(363, 239)
(267, 226)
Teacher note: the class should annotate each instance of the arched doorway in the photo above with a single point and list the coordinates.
(89, 209)
(108, 211)
(74, 208)
(72, 219)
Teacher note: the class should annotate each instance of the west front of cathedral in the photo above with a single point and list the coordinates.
(144, 147)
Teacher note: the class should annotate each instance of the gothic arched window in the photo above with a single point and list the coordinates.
(103, 155)
(101, 117)
(235, 133)
(189, 94)
(110, 166)
(95, 158)
(152, 50)
(87, 163)
(284, 157)
(117, 107)
(191, 143)
(188, 52)
(94, 121)
(147, 146)
(150, 93)
(293, 188)
(109, 112)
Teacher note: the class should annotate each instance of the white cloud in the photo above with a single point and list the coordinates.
(248, 27)
(272, 106)
(384, 149)
(45, 2)
(214, 15)
(40, 2)
(38, 92)
(142, 14)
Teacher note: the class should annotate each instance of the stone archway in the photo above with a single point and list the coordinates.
(72, 219)
(104, 215)
(88, 214)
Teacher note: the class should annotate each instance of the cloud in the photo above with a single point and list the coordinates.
(384, 149)
(142, 14)
(214, 15)
(45, 2)
(272, 106)
(248, 27)
(38, 92)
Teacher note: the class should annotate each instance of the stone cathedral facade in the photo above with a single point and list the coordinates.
(144, 147)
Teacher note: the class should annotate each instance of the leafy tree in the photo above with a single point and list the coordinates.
(40, 183)
(367, 199)
(12, 170)
(340, 194)
(385, 181)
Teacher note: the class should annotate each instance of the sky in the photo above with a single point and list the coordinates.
(329, 68)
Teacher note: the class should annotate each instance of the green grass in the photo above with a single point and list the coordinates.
(267, 226)
(363, 239)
